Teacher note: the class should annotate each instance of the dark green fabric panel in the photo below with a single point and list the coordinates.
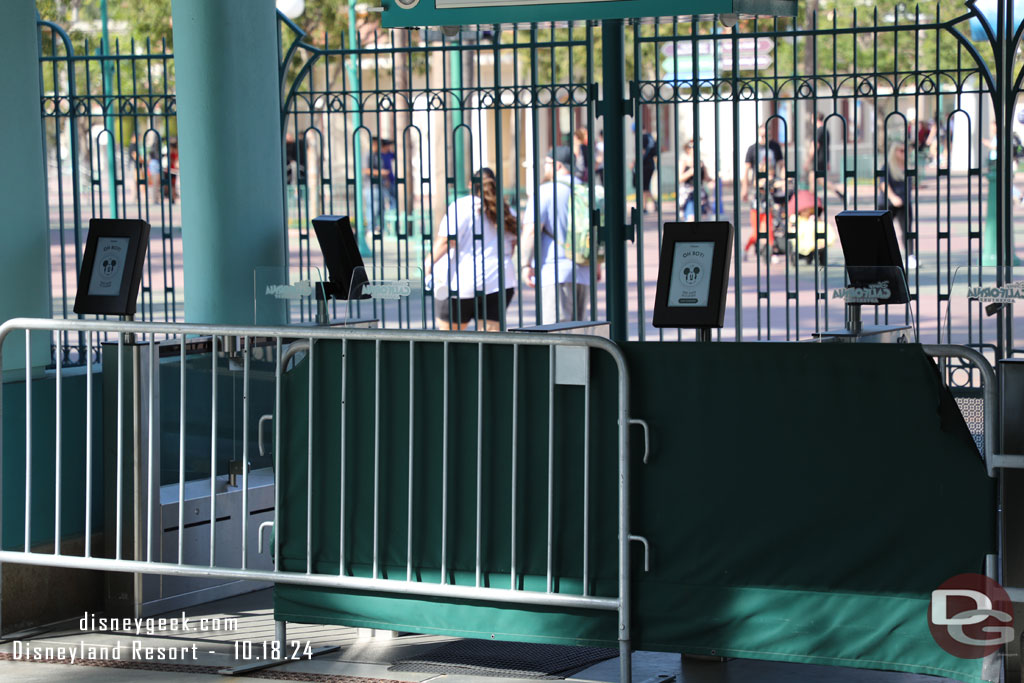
(445, 617)
(390, 442)
(839, 629)
(801, 500)
(73, 460)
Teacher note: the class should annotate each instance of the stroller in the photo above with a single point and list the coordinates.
(808, 228)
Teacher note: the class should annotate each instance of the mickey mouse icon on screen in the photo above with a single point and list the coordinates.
(690, 274)
(109, 265)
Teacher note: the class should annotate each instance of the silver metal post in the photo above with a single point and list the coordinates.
(341, 503)
(136, 474)
(213, 450)
(278, 477)
(181, 453)
(88, 444)
(309, 466)
(479, 453)
(280, 633)
(245, 456)
(412, 415)
(120, 446)
(586, 484)
(56, 454)
(444, 472)
(150, 450)
(551, 466)
(853, 319)
(376, 458)
(515, 455)
(28, 441)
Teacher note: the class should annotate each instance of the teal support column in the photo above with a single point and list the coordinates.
(24, 227)
(613, 109)
(229, 141)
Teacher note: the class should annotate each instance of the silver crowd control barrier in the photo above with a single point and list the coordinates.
(134, 553)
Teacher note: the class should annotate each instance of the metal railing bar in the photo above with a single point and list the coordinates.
(323, 580)
(354, 334)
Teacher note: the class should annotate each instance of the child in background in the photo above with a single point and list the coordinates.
(806, 217)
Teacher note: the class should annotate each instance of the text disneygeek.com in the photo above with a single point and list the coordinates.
(141, 650)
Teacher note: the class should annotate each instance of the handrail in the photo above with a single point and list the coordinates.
(989, 394)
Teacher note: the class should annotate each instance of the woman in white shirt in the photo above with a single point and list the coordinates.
(468, 256)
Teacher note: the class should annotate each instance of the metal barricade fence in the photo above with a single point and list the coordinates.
(136, 461)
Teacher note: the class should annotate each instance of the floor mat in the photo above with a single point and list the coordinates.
(505, 660)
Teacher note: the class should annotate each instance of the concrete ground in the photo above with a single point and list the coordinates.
(201, 655)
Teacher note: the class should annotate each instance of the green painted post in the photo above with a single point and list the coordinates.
(355, 81)
(229, 132)
(24, 228)
(108, 120)
(459, 166)
(613, 109)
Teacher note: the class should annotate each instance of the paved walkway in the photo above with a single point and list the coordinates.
(357, 661)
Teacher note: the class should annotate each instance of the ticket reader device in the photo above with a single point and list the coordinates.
(115, 251)
(693, 276)
(346, 274)
(875, 275)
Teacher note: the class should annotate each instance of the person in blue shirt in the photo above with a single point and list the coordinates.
(564, 284)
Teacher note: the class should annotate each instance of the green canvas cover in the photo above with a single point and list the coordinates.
(801, 501)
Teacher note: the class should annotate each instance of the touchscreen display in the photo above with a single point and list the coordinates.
(691, 274)
(108, 268)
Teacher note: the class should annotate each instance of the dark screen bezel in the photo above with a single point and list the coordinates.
(124, 303)
(713, 314)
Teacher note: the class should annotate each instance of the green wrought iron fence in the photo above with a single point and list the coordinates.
(109, 142)
(842, 97)
(484, 97)
(502, 97)
(882, 85)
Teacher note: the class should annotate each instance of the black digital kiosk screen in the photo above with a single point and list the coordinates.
(693, 275)
(115, 252)
(341, 255)
(872, 253)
